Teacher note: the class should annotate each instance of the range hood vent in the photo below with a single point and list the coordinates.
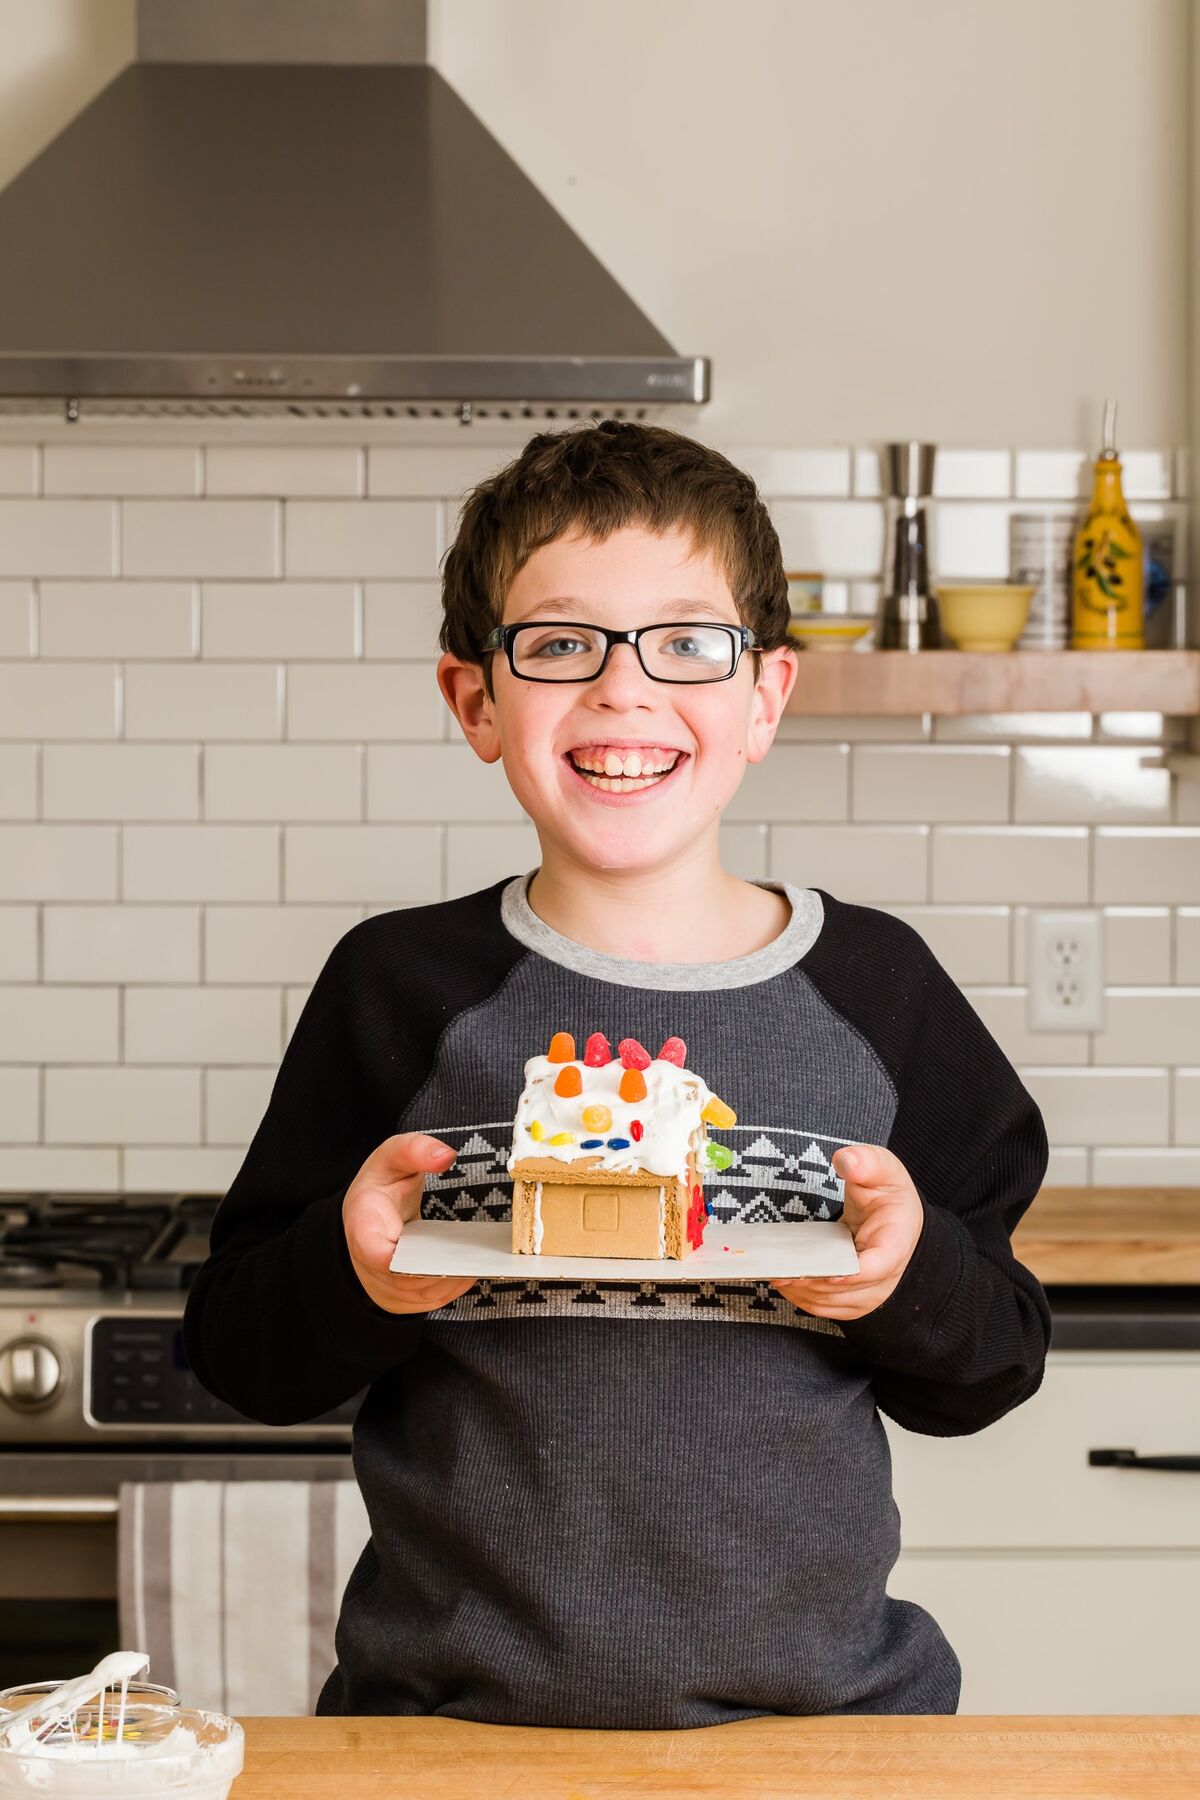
(281, 208)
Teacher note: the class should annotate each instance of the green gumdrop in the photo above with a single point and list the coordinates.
(719, 1155)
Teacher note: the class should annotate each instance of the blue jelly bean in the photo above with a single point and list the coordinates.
(618, 1143)
(708, 1207)
(592, 1144)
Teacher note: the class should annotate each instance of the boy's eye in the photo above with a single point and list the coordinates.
(551, 643)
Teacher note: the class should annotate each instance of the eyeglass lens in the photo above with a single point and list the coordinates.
(669, 652)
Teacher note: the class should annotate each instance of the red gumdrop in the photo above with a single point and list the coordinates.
(635, 1130)
(674, 1051)
(632, 1054)
(597, 1052)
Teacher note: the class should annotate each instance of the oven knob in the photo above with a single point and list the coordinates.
(30, 1373)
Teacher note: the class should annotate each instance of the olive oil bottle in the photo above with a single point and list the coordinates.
(1107, 583)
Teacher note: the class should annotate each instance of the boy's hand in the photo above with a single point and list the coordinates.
(884, 1212)
(386, 1191)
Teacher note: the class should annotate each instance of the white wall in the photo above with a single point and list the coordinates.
(964, 219)
(55, 56)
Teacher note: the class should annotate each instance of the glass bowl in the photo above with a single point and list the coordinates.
(172, 1750)
(12, 1699)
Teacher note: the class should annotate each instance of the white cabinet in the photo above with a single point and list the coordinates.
(1062, 1587)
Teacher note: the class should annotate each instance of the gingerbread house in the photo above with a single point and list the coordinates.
(609, 1153)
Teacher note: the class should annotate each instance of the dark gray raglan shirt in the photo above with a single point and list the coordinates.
(626, 1504)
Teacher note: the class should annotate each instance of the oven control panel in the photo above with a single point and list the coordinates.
(138, 1375)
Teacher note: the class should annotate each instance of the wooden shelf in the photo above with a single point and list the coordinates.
(1122, 1235)
(1010, 681)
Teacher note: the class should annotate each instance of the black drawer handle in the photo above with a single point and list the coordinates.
(1129, 1459)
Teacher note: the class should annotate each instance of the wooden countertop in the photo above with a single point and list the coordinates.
(855, 1757)
(1117, 1235)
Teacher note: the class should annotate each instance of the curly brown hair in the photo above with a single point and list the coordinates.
(596, 479)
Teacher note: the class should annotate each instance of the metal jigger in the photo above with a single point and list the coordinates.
(909, 619)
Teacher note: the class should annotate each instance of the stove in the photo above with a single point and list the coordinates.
(92, 1290)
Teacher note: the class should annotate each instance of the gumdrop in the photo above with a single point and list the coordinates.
(674, 1051)
(597, 1118)
(597, 1052)
(568, 1081)
(635, 1130)
(717, 1113)
(632, 1054)
(633, 1084)
(562, 1047)
(719, 1155)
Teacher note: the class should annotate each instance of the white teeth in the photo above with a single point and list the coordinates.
(613, 764)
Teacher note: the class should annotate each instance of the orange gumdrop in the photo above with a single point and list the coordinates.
(562, 1048)
(633, 1085)
(568, 1081)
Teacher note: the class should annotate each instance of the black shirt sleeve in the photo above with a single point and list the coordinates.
(963, 1337)
(276, 1322)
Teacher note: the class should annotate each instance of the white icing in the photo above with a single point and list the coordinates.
(175, 1762)
(670, 1117)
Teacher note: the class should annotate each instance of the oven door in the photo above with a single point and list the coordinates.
(58, 1540)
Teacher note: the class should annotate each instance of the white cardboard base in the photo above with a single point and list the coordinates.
(728, 1253)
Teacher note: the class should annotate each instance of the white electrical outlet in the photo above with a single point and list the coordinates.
(1065, 958)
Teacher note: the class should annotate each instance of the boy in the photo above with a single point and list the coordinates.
(626, 1504)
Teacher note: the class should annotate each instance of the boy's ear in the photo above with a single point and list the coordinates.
(777, 678)
(465, 693)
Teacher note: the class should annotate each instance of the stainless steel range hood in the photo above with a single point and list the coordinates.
(280, 207)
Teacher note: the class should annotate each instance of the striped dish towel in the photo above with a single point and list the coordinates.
(232, 1588)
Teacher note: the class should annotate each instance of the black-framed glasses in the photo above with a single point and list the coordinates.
(559, 650)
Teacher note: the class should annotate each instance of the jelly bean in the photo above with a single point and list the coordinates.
(597, 1118)
(632, 1054)
(618, 1143)
(592, 1144)
(562, 1048)
(635, 1130)
(674, 1051)
(562, 1137)
(719, 1155)
(633, 1085)
(569, 1081)
(597, 1052)
(536, 1131)
(717, 1113)
(708, 1207)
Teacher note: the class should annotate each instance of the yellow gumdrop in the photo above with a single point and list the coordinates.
(562, 1137)
(536, 1131)
(717, 1113)
(597, 1118)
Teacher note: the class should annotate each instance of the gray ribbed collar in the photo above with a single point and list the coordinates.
(792, 943)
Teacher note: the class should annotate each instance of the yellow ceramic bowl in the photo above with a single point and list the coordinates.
(984, 615)
(830, 631)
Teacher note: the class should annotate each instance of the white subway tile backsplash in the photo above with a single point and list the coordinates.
(363, 702)
(283, 782)
(18, 943)
(1156, 1167)
(969, 542)
(1149, 1025)
(200, 862)
(368, 539)
(18, 618)
(1004, 1010)
(1137, 945)
(272, 943)
(863, 863)
(925, 781)
(234, 1103)
(18, 781)
(181, 1168)
(203, 700)
(67, 700)
(19, 466)
(120, 469)
(59, 1024)
(122, 1106)
(201, 538)
(1146, 474)
(402, 619)
(1187, 944)
(284, 470)
(398, 864)
(121, 781)
(1053, 475)
(795, 474)
(1010, 863)
(278, 620)
(58, 862)
(70, 1171)
(840, 537)
(1067, 1168)
(972, 475)
(1157, 863)
(795, 782)
(131, 619)
(121, 943)
(970, 942)
(1101, 1106)
(478, 855)
(19, 1106)
(1010, 727)
(428, 782)
(58, 537)
(409, 472)
(1187, 1106)
(1092, 783)
(202, 1025)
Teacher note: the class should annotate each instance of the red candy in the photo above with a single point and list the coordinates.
(635, 1130)
(597, 1052)
(674, 1051)
(632, 1054)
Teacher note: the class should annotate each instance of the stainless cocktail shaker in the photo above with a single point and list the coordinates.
(909, 611)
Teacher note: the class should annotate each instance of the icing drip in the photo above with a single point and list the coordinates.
(667, 1115)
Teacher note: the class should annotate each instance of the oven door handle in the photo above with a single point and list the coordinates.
(43, 1509)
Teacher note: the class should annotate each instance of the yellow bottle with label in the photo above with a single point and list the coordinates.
(1107, 607)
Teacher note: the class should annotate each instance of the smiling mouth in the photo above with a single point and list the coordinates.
(592, 770)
